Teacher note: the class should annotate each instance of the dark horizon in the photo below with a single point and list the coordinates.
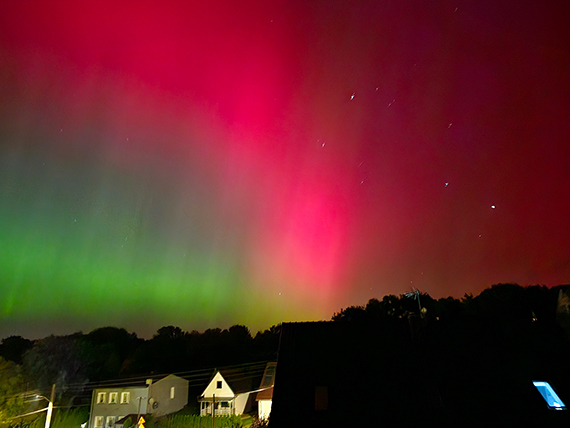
(148, 334)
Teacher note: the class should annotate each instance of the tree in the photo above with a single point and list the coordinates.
(60, 360)
(170, 332)
(112, 347)
(352, 313)
(11, 388)
(13, 348)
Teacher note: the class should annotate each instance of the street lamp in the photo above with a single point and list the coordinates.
(50, 405)
(49, 408)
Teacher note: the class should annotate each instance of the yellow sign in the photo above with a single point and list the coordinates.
(141, 422)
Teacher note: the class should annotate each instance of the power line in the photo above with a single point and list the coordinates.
(188, 375)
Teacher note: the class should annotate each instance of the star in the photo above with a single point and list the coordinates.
(493, 207)
(446, 184)
(352, 96)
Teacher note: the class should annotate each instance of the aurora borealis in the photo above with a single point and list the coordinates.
(203, 164)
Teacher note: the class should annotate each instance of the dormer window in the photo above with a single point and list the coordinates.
(219, 384)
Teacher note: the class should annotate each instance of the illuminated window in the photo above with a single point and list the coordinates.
(552, 400)
(219, 384)
(101, 397)
(113, 396)
(111, 421)
(171, 392)
(98, 421)
(125, 397)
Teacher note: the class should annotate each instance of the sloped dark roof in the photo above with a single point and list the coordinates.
(335, 374)
(267, 382)
(265, 394)
(242, 379)
(133, 417)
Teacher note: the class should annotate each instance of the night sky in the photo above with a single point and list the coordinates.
(204, 164)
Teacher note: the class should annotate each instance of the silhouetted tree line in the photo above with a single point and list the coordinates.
(478, 352)
(108, 353)
(506, 323)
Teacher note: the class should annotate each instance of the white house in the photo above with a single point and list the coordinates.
(227, 398)
(265, 392)
(111, 404)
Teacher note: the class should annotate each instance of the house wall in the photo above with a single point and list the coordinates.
(107, 409)
(263, 408)
(241, 402)
(161, 392)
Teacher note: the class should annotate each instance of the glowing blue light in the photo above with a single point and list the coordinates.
(551, 398)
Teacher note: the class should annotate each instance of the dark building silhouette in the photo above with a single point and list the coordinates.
(349, 374)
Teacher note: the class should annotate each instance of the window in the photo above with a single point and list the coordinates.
(110, 421)
(125, 397)
(225, 404)
(113, 397)
(101, 397)
(98, 421)
(219, 384)
(552, 400)
(171, 392)
(321, 398)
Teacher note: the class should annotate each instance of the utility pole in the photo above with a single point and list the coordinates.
(50, 406)
(139, 410)
(213, 410)
(150, 399)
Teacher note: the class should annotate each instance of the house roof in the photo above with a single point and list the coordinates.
(240, 380)
(266, 394)
(142, 384)
(133, 417)
(267, 382)
(327, 368)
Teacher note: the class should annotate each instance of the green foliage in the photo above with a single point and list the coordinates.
(195, 421)
(63, 418)
(11, 401)
(72, 418)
